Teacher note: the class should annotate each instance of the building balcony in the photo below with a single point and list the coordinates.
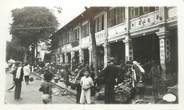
(100, 37)
(117, 30)
(85, 42)
(146, 21)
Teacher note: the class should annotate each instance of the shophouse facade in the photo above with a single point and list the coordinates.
(125, 33)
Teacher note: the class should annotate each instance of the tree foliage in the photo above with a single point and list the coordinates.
(14, 50)
(31, 24)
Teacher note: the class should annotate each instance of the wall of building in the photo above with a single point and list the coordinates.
(156, 22)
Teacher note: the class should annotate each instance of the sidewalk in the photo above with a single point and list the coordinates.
(30, 94)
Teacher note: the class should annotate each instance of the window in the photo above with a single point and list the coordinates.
(85, 30)
(116, 16)
(76, 34)
(70, 35)
(99, 23)
(60, 41)
(65, 37)
(138, 11)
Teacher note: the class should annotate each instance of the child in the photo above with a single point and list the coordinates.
(46, 88)
(86, 84)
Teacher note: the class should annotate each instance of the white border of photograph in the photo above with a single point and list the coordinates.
(5, 5)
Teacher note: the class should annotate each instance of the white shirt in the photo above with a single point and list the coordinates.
(26, 70)
(86, 82)
(18, 73)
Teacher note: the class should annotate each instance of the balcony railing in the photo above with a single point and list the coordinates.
(100, 36)
(85, 41)
(116, 30)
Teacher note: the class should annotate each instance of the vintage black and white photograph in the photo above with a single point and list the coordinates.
(58, 54)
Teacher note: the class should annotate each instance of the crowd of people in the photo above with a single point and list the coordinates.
(124, 81)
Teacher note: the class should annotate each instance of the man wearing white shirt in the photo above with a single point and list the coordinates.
(26, 73)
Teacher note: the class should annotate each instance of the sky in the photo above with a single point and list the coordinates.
(68, 11)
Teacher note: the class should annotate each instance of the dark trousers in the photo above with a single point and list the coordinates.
(18, 86)
(78, 93)
(109, 94)
(27, 79)
(140, 91)
(155, 94)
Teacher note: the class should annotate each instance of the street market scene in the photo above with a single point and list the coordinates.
(104, 55)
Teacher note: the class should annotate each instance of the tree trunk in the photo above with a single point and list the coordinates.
(94, 48)
(33, 53)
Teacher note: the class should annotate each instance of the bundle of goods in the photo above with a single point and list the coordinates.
(122, 93)
(100, 94)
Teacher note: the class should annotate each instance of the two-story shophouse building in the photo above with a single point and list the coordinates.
(126, 33)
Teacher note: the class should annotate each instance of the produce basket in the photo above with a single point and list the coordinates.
(122, 93)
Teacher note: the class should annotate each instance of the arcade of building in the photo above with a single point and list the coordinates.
(126, 33)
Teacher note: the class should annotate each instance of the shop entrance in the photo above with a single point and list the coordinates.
(86, 56)
(146, 48)
(117, 51)
(76, 57)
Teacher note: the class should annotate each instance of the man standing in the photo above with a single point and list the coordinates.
(77, 82)
(26, 73)
(110, 73)
(155, 73)
(18, 81)
(13, 70)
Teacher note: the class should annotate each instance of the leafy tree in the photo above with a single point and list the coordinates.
(31, 24)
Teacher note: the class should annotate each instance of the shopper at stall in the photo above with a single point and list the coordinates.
(110, 73)
(140, 79)
(46, 88)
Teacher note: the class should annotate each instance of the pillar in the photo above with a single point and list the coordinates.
(127, 19)
(90, 54)
(81, 55)
(164, 49)
(106, 44)
(72, 56)
(128, 49)
(66, 58)
(106, 53)
(128, 41)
